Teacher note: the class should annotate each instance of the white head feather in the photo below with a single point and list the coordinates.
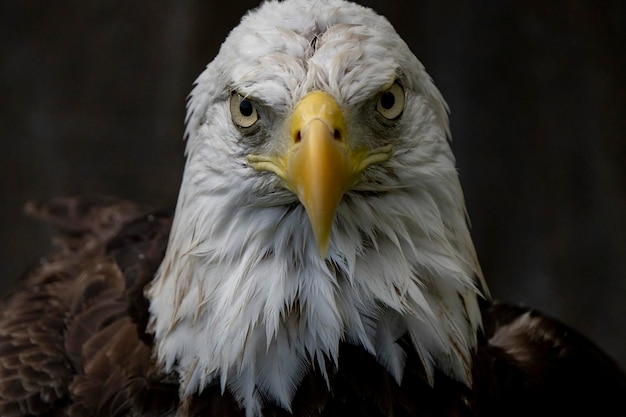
(243, 297)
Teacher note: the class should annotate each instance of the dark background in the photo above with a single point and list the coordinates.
(92, 97)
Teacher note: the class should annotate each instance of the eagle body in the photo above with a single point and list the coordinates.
(318, 261)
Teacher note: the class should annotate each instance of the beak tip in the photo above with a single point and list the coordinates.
(322, 238)
(323, 242)
(323, 250)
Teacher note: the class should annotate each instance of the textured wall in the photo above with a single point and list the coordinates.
(92, 101)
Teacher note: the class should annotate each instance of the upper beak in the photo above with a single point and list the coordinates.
(319, 165)
(319, 169)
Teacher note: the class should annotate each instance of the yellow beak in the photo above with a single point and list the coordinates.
(319, 165)
(319, 169)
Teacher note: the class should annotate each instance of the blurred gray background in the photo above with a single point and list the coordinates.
(92, 97)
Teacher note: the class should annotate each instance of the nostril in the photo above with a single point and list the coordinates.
(297, 137)
(337, 134)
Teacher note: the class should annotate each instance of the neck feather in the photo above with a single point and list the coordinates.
(242, 297)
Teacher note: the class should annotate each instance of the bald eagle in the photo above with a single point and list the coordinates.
(318, 261)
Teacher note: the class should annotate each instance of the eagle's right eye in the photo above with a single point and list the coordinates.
(242, 111)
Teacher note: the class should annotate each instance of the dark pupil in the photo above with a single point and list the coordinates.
(245, 107)
(387, 100)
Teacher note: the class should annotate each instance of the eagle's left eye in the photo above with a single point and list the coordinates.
(242, 111)
(391, 102)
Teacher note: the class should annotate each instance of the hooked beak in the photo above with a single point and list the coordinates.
(319, 165)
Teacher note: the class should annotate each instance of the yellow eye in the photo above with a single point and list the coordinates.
(242, 111)
(391, 102)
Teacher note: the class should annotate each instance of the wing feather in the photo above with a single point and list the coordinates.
(72, 335)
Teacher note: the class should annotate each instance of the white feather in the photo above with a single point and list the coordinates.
(242, 297)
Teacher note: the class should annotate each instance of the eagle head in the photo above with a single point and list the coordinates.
(320, 204)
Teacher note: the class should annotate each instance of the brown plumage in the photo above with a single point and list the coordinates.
(73, 342)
